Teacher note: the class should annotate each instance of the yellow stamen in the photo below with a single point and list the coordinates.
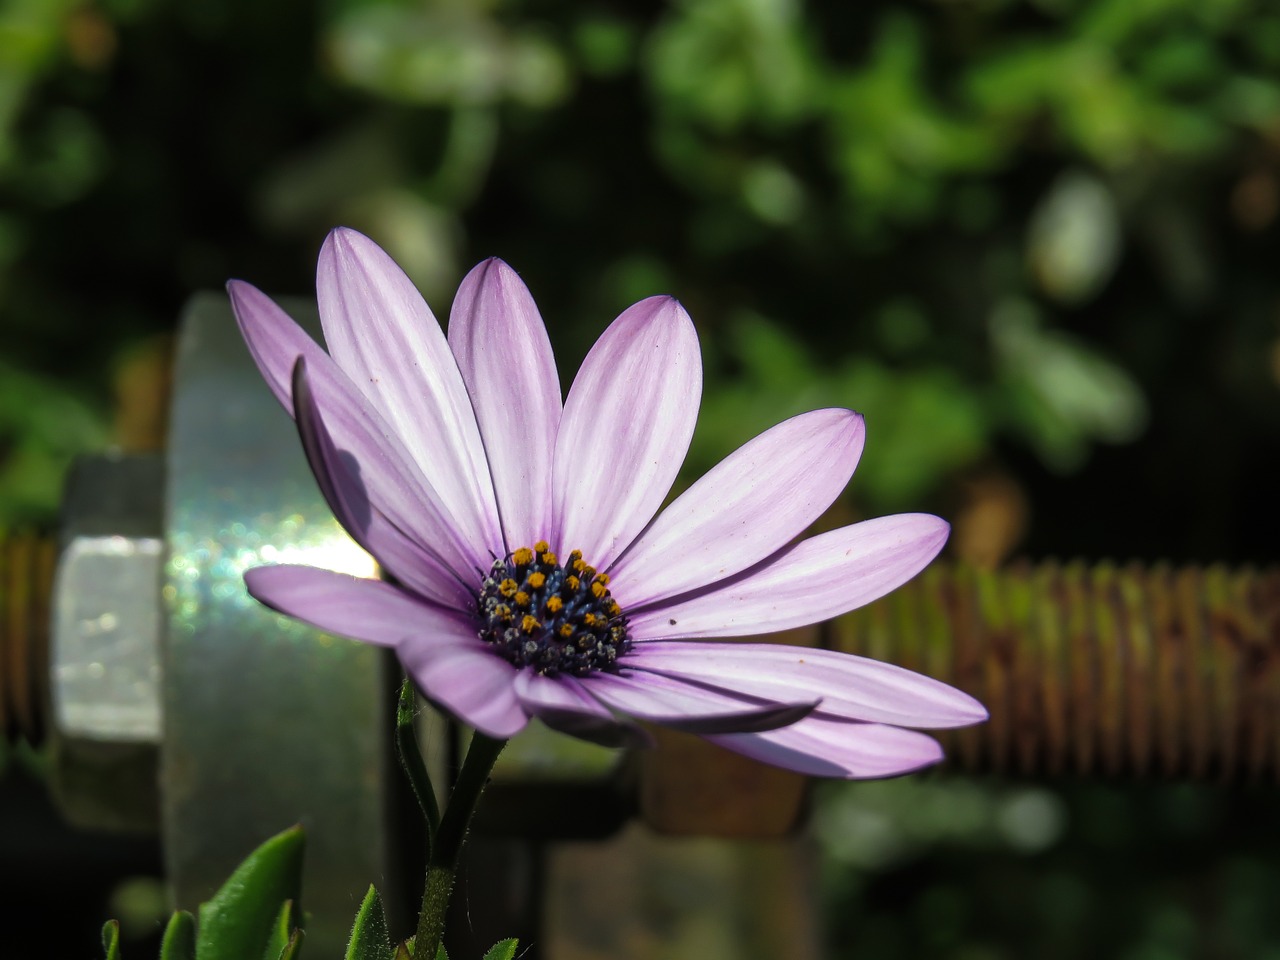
(536, 580)
(613, 608)
(566, 630)
(574, 556)
(549, 558)
(579, 564)
(529, 624)
(503, 612)
(598, 589)
(572, 582)
(603, 578)
(590, 619)
(508, 588)
(522, 599)
(554, 604)
(522, 557)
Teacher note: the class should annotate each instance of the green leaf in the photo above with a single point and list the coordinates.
(238, 921)
(370, 939)
(442, 953)
(281, 933)
(503, 950)
(293, 949)
(179, 941)
(404, 951)
(111, 939)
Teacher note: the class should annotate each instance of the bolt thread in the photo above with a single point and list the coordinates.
(1149, 672)
(26, 583)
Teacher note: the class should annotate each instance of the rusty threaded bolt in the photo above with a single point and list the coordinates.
(26, 582)
(1095, 669)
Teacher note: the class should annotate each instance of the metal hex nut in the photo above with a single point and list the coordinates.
(105, 645)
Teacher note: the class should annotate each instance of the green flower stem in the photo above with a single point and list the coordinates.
(442, 862)
(411, 760)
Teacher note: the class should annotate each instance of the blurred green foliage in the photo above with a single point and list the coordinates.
(1034, 238)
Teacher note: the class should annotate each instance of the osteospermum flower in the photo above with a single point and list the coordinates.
(527, 573)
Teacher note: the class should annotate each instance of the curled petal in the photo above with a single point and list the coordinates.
(821, 746)
(395, 486)
(563, 705)
(850, 687)
(416, 567)
(501, 345)
(465, 679)
(753, 503)
(626, 428)
(382, 334)
(687, 707)
(367, 610)
(813, 580)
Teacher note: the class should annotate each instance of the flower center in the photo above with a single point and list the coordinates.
(552, 617)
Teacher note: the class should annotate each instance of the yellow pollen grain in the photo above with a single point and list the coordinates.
(536, 580)
(549, 558)
(508, 588)
(579, 564)
(566, 630)
(603, 578)
(502, 611)
(574, 556)
(522, 599)
(529, 624)
(588, 572)
(613, 608)
(572, 582)
(554, 604)
(522, 557)
(590, 619)
(598, 589)
(542, 546)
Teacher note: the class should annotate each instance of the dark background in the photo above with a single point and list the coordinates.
(1034, 242)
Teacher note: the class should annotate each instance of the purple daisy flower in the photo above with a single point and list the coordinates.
(528, 575)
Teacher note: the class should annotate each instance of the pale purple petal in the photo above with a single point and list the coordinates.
(626, 428)
(814, 580)
(683, 706)
(367, 610)
(501, 345)
(467, 680)
(820, 746)
(851, 687)
(417, 568)
(563, 705)
(395, 486)
(754, 502)
(383, 335)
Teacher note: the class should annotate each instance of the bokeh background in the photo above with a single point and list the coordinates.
(1033, 241)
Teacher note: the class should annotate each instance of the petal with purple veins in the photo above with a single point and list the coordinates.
(753, 503)
(813, 580)
(851, 687)
(821, 746)
(368, 610)
(395, 486)
(418, 568)
(502, 349)
(626, 428)
(688, 707)
(466, 679)
(382, 334)
(563, 705)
